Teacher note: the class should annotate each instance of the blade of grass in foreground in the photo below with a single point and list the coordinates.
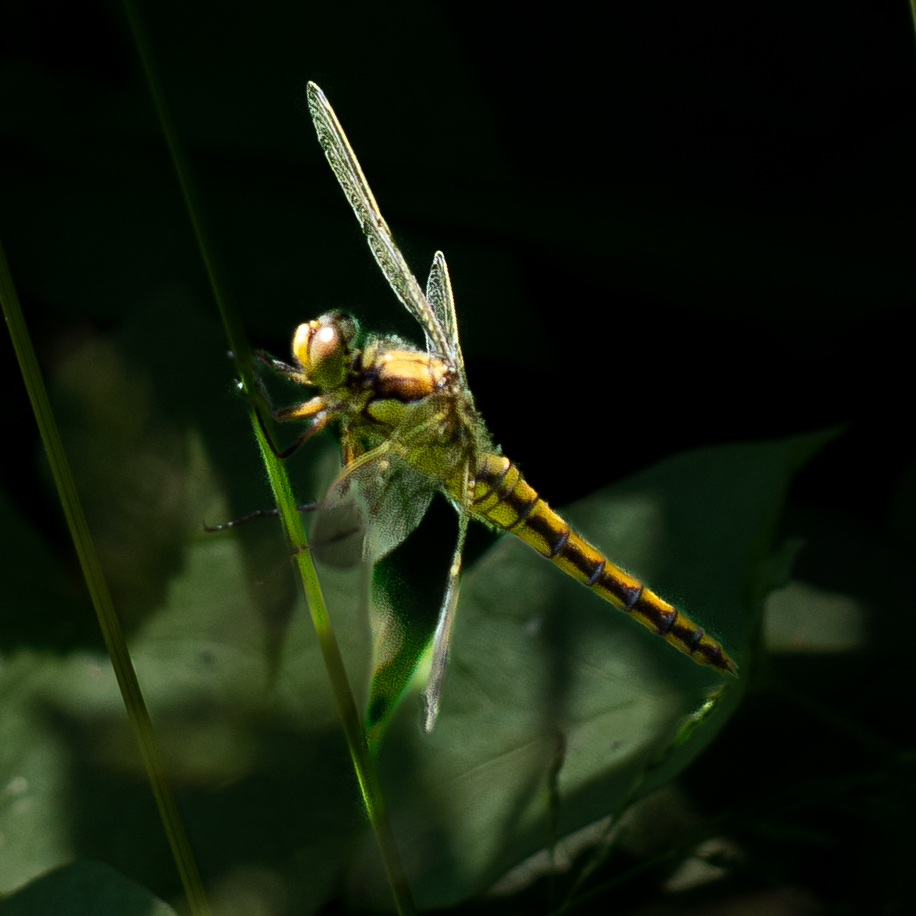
(346, 705)
(101, 598)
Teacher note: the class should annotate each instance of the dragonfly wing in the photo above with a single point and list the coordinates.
(344, 163)
(375, 502)
(432, 693)
(441, 299)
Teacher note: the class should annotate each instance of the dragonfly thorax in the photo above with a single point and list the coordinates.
(402, 373)
(322, 348)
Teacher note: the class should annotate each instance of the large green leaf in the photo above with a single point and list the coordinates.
(83, 889)
(547, 681)
(546, 678)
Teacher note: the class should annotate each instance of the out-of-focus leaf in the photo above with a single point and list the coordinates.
(546, 676)
(84, 889)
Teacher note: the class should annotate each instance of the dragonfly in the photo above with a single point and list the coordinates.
(409, 428)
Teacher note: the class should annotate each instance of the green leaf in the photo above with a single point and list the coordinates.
(83, 889)
(547, 677)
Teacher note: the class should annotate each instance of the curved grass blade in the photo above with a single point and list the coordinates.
(126, 676)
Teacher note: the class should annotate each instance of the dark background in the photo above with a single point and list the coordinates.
(667, 227)
(707, 216)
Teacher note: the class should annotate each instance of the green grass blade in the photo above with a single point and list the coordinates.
(350, 719)
(208, 252)
(101, 597)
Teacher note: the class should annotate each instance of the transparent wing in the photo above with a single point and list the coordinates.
(442, 638)
(343, 161)
(441, 299)
(376, 501)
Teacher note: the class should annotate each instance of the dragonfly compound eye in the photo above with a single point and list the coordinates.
(322, 348)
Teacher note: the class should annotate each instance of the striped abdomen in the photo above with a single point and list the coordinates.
(504, 499)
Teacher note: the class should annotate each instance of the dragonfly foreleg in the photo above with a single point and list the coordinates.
(281, 368)
(315, 409)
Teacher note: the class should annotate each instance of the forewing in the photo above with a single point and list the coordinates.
(441, 299)
(376, 501)
(343, 161)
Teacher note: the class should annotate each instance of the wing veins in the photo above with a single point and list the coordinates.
(350, 176)
(442, 638)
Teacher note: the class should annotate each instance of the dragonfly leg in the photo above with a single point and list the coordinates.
(258, 513)
(314, 409)
(281, 368)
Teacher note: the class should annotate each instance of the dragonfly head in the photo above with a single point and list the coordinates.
(322, 348)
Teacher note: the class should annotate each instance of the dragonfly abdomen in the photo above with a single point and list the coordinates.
(503, 498)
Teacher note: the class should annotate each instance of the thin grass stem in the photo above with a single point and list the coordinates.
(351, 721)
(137, 712)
